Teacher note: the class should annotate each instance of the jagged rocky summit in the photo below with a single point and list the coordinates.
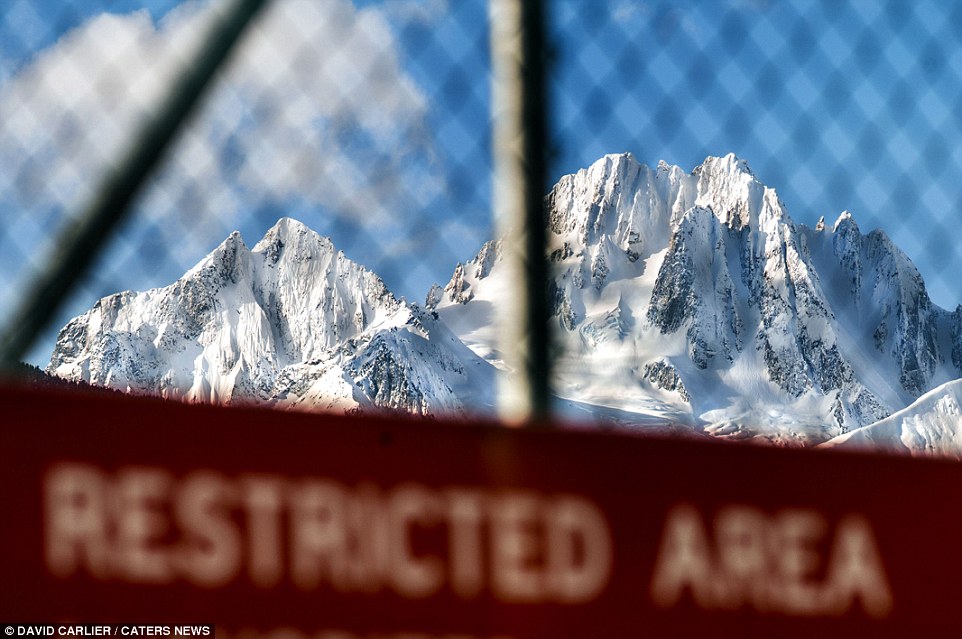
(291, 322)
(695, 298)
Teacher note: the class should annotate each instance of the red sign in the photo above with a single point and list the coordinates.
(299, 526)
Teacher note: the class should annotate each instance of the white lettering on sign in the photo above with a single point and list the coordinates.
(144, 525)
(772, 563)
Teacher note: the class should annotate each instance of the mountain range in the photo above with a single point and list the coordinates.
(679, 301)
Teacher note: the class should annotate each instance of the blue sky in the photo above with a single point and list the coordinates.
(369, 121)
(837, 105)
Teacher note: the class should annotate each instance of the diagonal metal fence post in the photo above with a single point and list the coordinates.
(520, 134)
(82, 239)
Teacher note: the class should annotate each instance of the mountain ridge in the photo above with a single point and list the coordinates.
(704, 281)
(684, 299)
(291, 322)
(924, 428)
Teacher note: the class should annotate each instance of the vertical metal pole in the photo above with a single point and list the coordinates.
(82, 238)
(520, 134)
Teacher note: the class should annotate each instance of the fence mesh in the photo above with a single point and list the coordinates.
(838, 106)
(370, 122)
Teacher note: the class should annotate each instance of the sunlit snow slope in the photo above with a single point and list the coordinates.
(929, 427)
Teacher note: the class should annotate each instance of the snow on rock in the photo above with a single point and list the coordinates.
(690, 299)
(291, 321)
(930, 426)
(663, 375)
(792, 333)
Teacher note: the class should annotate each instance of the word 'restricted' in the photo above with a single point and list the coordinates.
(145, 525)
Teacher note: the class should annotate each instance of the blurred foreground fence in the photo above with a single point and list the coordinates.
(372, 122)
(368, 122)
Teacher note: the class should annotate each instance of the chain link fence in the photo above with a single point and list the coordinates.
(370, 121)
(366, 121)
(839, 106)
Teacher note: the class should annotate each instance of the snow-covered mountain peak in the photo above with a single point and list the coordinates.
(701, 282)
(634, 205)
(287, 226)
(315, 295)
(295, 240)
(292, 322)
(625, 158)
(727, 186)
(728, 164)
(845, 223)
(286, 229)
(225, 258)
